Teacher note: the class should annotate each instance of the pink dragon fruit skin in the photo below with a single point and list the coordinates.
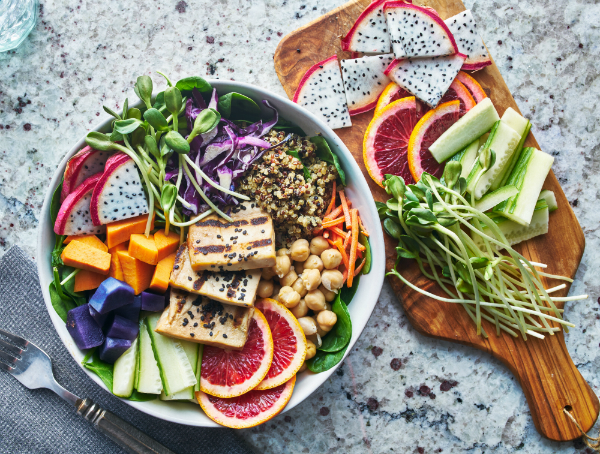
(426, 78)
(321, 92)
(74, 215)
(364, 81)
(417, 31)
(85, 163)
(118, 193)
(464, 29)
(369, 33)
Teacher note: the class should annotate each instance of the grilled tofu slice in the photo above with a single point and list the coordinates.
(198, 319)
(246, 243)
(230, 287)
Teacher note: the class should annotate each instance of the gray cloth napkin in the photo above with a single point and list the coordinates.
(38, 421)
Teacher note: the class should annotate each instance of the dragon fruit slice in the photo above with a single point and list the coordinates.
(369, 32)
(364, 81)
(85, 163)
(426, 78)
(74, 215)
(321, 92)
(416, 31)
(464, 29)
(118, 194)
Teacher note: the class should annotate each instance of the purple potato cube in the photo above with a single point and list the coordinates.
(131, 311)
(100, 318)
(83, 328)
(152, 302)
(112, 349)
(123, 328)
(111, 295)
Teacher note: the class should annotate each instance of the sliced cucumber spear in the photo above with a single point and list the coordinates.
(521, 126)
(471, 126)
(124, 372)
(148, 375)
(467, 157)
(191, 351)
(175, 369)
(528, 176)
(550, 199)
(491, 199)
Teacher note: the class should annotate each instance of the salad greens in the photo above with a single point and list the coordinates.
(340, 334)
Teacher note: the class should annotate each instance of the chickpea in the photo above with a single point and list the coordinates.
(320, 332)
(329, 295)
(300, 250)
(302, 368)
(300, 310)
(315, 338)
(276, 289)
(315, 300)
(327, 306)
(268, 273)
(318, 244)
(299, 267)
(308, 325)
(311, 349)
(312, 279)
(288, 279)
(299, 287)
(282, 252)
(282, 265)
(313, 263)
(326, 320)
(332, 280)
(331, 258)
(264, 289)
(289, 297)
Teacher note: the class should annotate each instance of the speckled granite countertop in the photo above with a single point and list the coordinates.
(397, 391)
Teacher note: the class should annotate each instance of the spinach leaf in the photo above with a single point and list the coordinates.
(349, 292)
(137, 396)
(56, 260)
(362, 239)
(238, 106)
(55, 203)
(69, 287)
(294, 153)
(100, 368)
(189, 83)
(341, 333)
(325, 154)
(323, 361)
(288, 126)
(60, 306)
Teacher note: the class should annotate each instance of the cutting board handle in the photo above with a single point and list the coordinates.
(551, 382)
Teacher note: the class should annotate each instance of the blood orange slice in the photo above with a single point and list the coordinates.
(472, 85)
(433, 124)
(394, 92)
(386, 140)
(288, 341)
(230, 373)
(458, 91)
(249, 410)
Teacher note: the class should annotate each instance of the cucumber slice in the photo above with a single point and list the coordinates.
(124, 372)
(148, 376)
(176, 372)
(471, 126)
(476, 168)
(191, 351)
(199, 367)
(528, 176)
(550, 199)
(467, 157)
(504, 143)
(515, 121)
(516, 233)
(509, 168)
(491, 199)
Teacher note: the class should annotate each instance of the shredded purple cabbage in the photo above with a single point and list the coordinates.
(224, 155)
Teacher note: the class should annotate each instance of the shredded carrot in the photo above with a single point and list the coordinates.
(361, 248)
(359, 254)
(333, 223)
(360, 267)
(353, 247)
(332, 203)
(344, 275)
(343, 252)
(334, 214)
(340, 232)
(362, 226)
(347, 241)
(345, 209)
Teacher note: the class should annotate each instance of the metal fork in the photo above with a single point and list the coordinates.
(33, 368)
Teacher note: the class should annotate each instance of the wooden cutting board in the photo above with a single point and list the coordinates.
(549, 379)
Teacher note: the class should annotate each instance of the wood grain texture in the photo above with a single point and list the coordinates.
(544, 368)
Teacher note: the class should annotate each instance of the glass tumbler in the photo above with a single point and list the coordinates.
(17, 19)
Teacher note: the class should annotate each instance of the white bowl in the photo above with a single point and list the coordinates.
(360, 308)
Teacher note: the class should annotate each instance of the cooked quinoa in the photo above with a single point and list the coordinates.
(277, 184)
